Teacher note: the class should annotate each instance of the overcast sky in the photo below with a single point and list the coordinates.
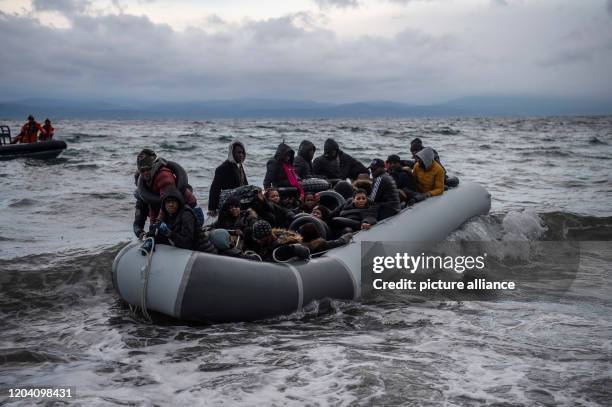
(415, 51)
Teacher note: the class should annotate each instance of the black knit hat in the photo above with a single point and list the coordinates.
(261, 229)
(393, 158)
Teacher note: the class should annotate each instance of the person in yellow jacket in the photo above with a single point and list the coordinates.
(428, 173)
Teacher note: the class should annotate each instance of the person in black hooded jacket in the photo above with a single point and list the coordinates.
(178, 224)
(276, 175)
(303, 161)
(336, 164)
(228, 175)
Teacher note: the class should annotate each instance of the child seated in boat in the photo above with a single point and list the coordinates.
(278, 244)
(178, 224)
(282, 215)
(225, 246)
(310, 201)
(321, 212)
(361, 210)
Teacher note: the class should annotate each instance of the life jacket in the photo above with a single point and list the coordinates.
(29, 132)
(47, 133)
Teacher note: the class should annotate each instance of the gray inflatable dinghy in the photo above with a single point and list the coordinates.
(204, 287)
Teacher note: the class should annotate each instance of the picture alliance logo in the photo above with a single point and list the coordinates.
(412, 264)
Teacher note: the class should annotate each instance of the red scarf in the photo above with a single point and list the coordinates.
(293, 179)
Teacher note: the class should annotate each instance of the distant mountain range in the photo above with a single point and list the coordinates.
(473, 106)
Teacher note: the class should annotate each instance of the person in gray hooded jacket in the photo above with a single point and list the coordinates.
(228, 175)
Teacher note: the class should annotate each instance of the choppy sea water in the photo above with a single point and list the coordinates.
(63, 221)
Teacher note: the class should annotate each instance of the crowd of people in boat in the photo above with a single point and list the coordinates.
(32, 132)
(307, 205)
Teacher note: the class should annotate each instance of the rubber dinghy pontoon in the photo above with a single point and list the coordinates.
(40, 149)
(200, 286)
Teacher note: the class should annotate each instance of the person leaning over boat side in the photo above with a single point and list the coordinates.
(157, 175)
(316, 244)
(303, 160)
(280, 172)
(222, 241)
(29, 132)
(278, 244)
(384, 191)
(229, 175)
(336, 164)
(428, 173)
(48, 131)
(178, 224)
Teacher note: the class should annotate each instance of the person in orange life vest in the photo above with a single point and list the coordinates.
(29, 132)
(48, 131)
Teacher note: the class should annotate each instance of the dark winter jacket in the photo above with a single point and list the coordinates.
(141, 212)
(184, 230)
(384, 192)
(226, 221)
(303, 161)
(342, 167)
(403, 180)
(275, 174)
(228, 175)
(363, 215)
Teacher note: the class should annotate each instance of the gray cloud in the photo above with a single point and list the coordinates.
(290, 57)
(63, 6)
(337, 3)
(498, 3)
(609, 7)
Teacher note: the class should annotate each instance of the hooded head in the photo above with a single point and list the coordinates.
(171, 194)
(145, 159)
(321, 212)
(230, 208)
(416, 145)
(284, 153)
(220, 238)
(427, 156)
(331, 148)
(344, 188)
(309, 232)
(307, 150)
(47, 121)
(236, 152)
(30, 118)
